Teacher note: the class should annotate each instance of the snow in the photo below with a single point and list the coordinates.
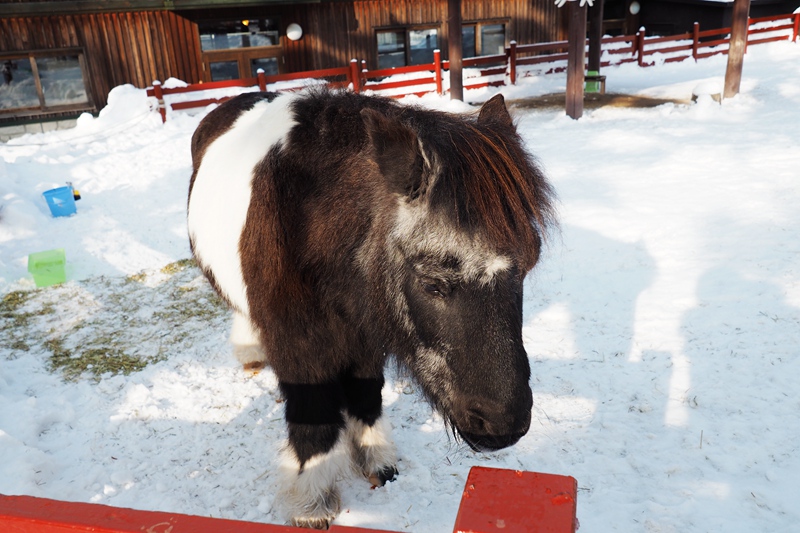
(663, 323)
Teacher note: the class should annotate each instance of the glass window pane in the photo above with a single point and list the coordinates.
(391, 49)
(268, 64)
(468, 41)
(224, 70)
(227, 34)
(18, 87)
(493, 39)
(422, 44)
(62, 80)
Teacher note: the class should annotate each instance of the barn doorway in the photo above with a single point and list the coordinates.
(234, 49)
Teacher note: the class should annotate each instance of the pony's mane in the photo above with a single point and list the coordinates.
(492, 184)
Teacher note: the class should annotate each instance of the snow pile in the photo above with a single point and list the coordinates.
(663, 323)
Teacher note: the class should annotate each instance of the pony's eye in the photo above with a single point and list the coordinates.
(439, 289)
(432, 289)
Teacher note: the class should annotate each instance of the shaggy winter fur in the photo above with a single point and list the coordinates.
(343, 229)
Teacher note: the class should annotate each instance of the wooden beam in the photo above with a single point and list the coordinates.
(493, 499)
(733, 73)
(496, 500)
(55, 7)
(454, 49)
(576, 59)
(595, 34)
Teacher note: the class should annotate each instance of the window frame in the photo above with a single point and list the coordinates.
(241, 55)
(405, 30)
(43, 108)
(478, 24)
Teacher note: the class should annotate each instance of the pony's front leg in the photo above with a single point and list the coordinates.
(371, 448)
(315, 454)
(246, 343)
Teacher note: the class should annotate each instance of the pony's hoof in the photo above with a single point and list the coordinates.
(312, 523)
(381, 477)
(255, 366)
(251, 356)
(317, 513)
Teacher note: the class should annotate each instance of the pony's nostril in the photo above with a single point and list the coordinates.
(477, 422)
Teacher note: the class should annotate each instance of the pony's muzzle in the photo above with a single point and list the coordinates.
(488, 426)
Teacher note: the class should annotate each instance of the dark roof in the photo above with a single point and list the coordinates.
(13, 8)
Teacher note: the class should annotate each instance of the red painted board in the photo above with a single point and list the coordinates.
(497, 500)
(26, 514)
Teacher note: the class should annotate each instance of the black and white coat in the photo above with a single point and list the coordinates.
(343, 229)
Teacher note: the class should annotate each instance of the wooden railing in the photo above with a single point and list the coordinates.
(494, 70)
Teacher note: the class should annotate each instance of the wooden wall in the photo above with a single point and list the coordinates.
(138, 47)
(336, 32)
(120, 48)
(529, 21)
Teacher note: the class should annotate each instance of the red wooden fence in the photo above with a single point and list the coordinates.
(493, 499)
(495, 70)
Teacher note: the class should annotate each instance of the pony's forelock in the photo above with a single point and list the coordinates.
(493, 185)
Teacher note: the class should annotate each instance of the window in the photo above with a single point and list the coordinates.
(409, 46)
(483, 39)
(227, 34)
(43, 81)
(391, 49)
(234, 49)
(422, 43)
(493, 39)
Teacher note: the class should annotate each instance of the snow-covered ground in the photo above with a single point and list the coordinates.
(663, 325)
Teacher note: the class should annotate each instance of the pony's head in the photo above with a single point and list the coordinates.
(472, 209)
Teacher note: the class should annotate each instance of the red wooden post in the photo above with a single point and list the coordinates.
(355, 75)
(640, 46)
(796, 26)
(437, 70)
(162, 108)
(512, 62)
(695, 39)
(747, 33)
(493, 499)
(262, 80)
(512, 500)
(26, 514)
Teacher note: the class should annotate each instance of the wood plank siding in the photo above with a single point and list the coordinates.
(142, 42)
(119, 48)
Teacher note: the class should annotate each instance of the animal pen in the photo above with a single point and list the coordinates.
(518, 61)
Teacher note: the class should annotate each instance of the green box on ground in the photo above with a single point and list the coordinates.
(48, 268)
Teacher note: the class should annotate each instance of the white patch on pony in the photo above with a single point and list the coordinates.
(221, 193)
(246, 341)
(309, 497)
(372, 449)
(433, 368)
(494, 266)
(417, 232)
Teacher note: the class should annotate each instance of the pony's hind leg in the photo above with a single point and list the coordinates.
(372, 451)
(315, 454)
(246, 343)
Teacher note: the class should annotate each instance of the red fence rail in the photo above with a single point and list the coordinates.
(493, 499)
(494, 70)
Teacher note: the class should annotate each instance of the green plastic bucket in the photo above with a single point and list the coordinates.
(48, 268)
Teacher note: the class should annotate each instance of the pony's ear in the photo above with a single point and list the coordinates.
(495, 111)
(395, 149)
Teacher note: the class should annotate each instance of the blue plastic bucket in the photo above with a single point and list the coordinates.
(60, 201)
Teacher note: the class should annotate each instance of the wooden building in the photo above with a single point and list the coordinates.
(62, 57)
(672, 17)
